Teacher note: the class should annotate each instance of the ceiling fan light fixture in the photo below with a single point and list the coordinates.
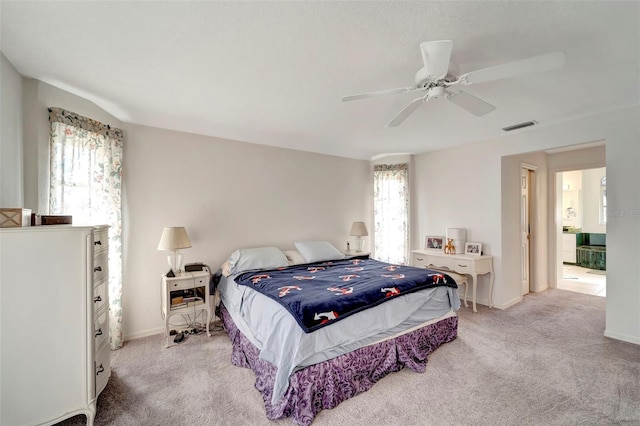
(436, 56)
(520, 126)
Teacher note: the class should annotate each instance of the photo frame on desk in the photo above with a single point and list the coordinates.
(434, 242)
(474, 249)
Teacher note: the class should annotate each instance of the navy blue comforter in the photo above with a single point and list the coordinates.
(319, 293)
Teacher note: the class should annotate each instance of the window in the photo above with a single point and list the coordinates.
(85, 182)
(603, 200)
(391, 212)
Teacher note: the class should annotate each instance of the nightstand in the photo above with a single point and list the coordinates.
(186, 294)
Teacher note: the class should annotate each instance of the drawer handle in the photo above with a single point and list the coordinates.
(98, 333)
(97, 243)
(462, 266)
(100, 370)
(97, 299)
(420, 259)
(97, 269)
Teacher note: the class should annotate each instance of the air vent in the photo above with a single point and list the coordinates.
(520, 126)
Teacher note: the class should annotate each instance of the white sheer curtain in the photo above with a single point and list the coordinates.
(391, 212)
(86, 180)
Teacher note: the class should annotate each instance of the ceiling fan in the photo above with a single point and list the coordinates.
(434, 79)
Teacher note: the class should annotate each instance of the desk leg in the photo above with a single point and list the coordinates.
(208, 320)
(475, 283)
(166, 329)
(466, 287)
(491, 291)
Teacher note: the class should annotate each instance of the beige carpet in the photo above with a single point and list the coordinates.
(542, 362)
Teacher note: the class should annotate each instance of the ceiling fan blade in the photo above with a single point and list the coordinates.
(405, 112)
(470, 103)
(436, 56)
(536, 64)
(377, 93)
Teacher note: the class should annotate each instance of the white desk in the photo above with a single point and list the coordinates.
(460, 263)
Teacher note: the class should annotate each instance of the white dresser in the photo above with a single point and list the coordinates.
(54, 322)
(460, 263)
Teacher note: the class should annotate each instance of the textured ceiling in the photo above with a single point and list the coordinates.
(273, 72)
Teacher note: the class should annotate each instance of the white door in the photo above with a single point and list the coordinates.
(525, 228)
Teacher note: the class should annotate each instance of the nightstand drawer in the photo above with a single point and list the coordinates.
(187, 283)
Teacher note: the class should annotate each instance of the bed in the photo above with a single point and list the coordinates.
(310, 362)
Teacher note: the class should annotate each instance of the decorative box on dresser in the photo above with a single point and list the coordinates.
(461, 263)
(54, 322)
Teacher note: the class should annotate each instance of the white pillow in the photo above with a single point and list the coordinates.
(318, 251)
(255, 258)
(294, 257)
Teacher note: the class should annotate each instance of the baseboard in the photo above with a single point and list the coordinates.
(623, 337)
(144, 333)
(508, 304)
(485, 302)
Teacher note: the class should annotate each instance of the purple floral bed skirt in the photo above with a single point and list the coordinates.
(327, 384)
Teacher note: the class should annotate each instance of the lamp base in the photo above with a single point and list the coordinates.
(359, 244)
(175, 261)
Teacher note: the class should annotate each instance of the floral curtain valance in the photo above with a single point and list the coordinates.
(59, 115)
(390, 167)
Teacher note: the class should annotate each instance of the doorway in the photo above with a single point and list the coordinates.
(581, 204)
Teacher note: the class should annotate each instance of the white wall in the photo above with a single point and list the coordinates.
(11, 167)
(228, 195)
(472, 199)
(468, 197)
(591, 200)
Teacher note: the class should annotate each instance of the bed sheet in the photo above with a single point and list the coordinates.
(282, 342)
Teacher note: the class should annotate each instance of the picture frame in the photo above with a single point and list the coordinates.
(474, 249)
(434, 242)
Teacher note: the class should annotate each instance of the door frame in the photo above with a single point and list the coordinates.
(526, 264)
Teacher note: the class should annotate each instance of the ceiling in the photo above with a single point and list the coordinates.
(274, 73)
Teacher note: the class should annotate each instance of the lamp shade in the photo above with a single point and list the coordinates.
(358, 229)
(174, 239)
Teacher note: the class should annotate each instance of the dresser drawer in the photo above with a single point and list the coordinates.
(100, 266)
(102, 368)
(101, 328)
(463, 265)
(100, 296)
(101, 240)
(439, 262)
(419, 260)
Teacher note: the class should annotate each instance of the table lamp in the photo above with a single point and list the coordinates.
(359, 230)
(174, 239)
